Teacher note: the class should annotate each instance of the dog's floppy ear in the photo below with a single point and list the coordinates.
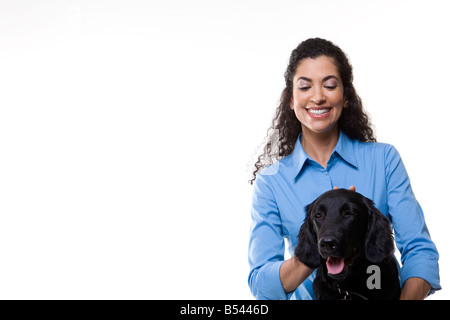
(379, 241)
(307, 250)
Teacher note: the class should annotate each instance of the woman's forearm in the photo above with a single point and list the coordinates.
(292, 273)
(415, 289)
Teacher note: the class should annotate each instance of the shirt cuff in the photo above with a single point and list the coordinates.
(427, 269)
(267, 284)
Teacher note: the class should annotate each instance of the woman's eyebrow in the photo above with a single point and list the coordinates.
(304, 78)
(323, 80)
(329, 77)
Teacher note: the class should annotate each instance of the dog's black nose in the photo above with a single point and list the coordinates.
(328, 244)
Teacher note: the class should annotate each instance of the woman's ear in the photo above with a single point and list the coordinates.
(307, 249)
(379, 241)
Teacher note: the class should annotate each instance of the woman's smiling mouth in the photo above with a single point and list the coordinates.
(319, 112)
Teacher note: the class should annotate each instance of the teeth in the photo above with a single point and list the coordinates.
(318, 111)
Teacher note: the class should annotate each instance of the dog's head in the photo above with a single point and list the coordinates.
(341, 227)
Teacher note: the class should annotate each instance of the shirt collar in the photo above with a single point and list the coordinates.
(344, 148)
(299, 157)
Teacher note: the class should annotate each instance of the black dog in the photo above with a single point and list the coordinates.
(348, 239)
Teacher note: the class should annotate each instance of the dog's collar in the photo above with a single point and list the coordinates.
(348, 294)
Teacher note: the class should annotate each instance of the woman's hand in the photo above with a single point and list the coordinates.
(352, 188)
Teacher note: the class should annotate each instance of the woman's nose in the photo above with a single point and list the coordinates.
(318, 96)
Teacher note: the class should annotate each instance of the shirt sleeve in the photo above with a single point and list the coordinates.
(266, 245)
(419, 255)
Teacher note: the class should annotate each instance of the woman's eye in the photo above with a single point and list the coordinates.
(304, 88)
(331, 87)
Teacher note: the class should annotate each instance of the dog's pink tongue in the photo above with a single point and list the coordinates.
(335, 265)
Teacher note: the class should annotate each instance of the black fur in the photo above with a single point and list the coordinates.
(344, 224)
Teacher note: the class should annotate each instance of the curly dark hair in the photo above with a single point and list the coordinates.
(285, 128)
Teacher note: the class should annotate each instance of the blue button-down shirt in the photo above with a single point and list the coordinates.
(282, 190)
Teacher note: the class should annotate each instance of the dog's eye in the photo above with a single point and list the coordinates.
(349, 213)
(318, 215)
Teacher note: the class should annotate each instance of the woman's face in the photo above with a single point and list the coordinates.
(318, 94)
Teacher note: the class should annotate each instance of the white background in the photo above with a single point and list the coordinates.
(127, 128)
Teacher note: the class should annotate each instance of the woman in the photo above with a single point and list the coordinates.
(322, 139)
